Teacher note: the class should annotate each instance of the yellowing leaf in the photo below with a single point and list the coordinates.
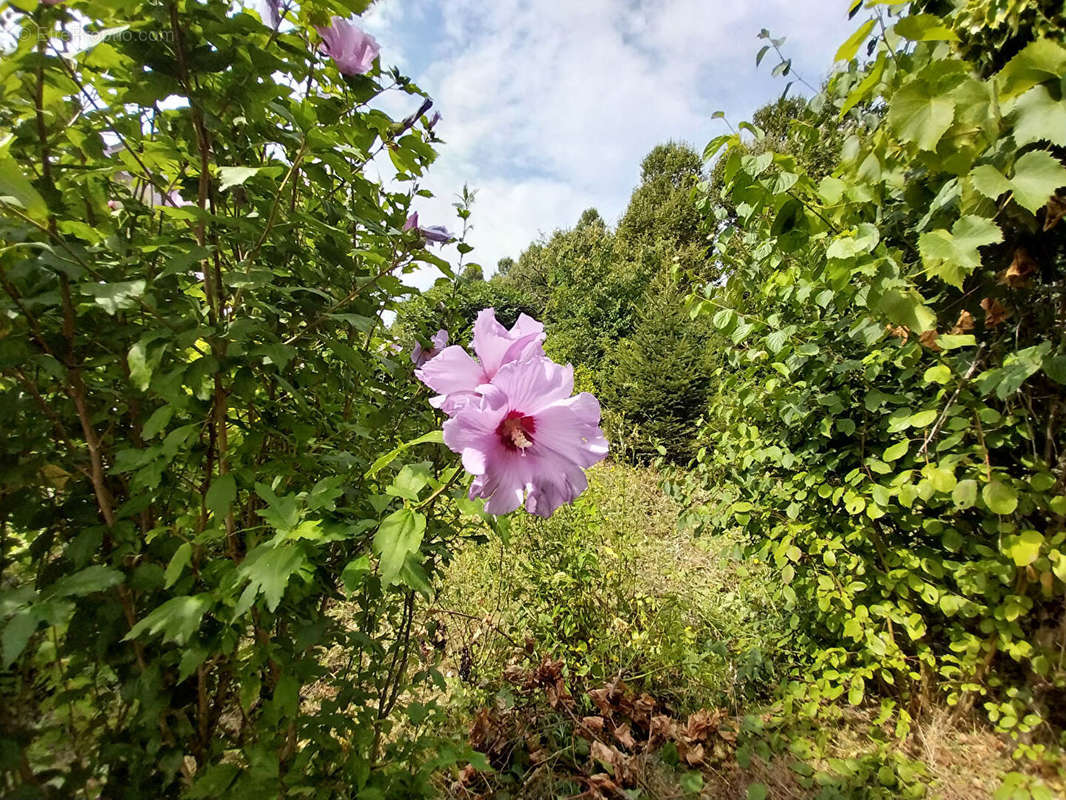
(999, 497)
(848, 50)
(1024, 548)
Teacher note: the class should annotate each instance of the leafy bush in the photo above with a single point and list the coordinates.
(194, 389)
(887, 428)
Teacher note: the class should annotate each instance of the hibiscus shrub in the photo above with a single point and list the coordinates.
(210, 552)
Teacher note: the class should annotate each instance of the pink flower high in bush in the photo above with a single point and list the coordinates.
(521, 432)
(352, 49)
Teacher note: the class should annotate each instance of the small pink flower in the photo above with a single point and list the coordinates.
(525, 437)
(456, 376)
(434, 233)
(420, 356)
(352, 49)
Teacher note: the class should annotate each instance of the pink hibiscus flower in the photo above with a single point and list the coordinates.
(352, 49)
(456, 376)
(525, 437)
(420, 356)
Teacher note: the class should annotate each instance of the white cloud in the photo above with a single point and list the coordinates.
(549, 106)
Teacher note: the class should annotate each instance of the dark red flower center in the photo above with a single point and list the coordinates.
(516, 430)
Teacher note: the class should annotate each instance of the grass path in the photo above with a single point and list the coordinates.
(609, 593)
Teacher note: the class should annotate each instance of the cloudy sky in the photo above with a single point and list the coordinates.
(549, 105)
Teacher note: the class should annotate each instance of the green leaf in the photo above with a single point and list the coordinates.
(953, 255)
(866, 85)
(925, 28)
(221, 494)
(353, 573)
(856, 690)
(177, 619)
(268, 571)
(964, 495)
(757, 791)
(920, 115)
(989, 181)
(1039, 61)
(157, 423)
(15, 189)
(999, 497)
(234, 176)
(1037, 175)
(16, 635)
(953, 341)
(399, 535)
(939, 373)
(905, 307)
(178, 562)
(897, 451)
(848, 50)
(1039, 117)
(113, 297)
(1055, 368)
(140, 368)
(691, 782)
(921, 419)
(434, 437)
(410, 480)
(87, 581)
(724, 318)
(1024, 548)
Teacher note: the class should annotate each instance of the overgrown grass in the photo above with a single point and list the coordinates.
(612, 588)
(610, 593)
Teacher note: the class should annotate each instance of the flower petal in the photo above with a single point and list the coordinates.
(534, 384)
(496, 346)
(451, 370)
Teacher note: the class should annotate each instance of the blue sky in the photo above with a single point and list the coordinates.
(549, 105)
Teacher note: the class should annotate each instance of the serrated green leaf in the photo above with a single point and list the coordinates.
(433, 437)
(268, 570)
(989, 181)
(92, 579)
(177, 619)
(1039, 117)
(353, 573)
(925, 28)
(114, 297)
(1039, 61)
(953, 256)
(920, 115)
(1037, 175)
(234, 176)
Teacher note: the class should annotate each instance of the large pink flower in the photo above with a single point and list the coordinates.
(352, 49)
(456, 376)
(524, 436)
